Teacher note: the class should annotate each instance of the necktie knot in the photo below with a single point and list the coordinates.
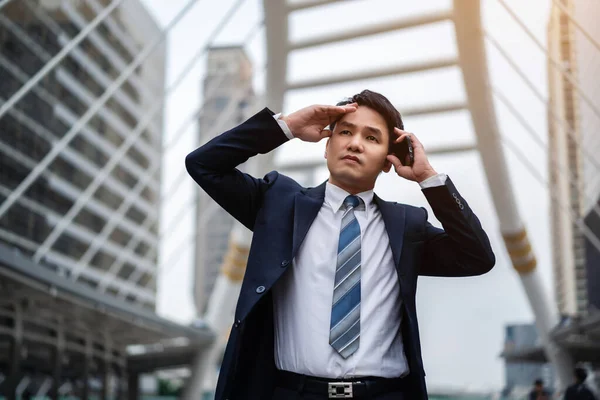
(352, 201)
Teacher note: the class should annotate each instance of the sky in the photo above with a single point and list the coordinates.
(461, 320)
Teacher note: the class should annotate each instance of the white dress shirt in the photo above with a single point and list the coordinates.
(302, 298)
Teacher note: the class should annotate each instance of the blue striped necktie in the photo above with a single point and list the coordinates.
(344, 329)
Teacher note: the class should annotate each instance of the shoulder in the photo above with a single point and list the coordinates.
(280, 181)
(409, 210)
(280, 188)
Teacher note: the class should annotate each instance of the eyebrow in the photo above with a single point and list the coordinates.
(371, 129)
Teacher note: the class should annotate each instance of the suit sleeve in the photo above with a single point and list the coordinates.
(214, 166)
(462, 248)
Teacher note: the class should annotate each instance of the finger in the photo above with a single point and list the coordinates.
(334, 111)
(326, 133)
(401, 137)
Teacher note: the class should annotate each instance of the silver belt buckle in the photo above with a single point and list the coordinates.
(340, 390)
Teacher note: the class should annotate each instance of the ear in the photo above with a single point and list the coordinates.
(326, 147)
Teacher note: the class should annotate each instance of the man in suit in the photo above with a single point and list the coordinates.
(327, 304)
(579, 391)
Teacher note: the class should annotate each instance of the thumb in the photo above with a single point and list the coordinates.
(325, 133)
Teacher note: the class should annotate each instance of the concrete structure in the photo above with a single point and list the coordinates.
(78, 249)
(227, 93)
(574, 153)
(111, 243)
(588, 60)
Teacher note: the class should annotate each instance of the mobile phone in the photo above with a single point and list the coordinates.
(404, 151)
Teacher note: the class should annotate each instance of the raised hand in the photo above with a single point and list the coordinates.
(421, 169)
(308, 124)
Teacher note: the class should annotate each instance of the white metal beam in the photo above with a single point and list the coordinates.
(434, 109)
(72, 193)
(374, 29)
(105, 48)
(90, 113)
(276, 27)
(563, 9)
(94, 38)
(49, 66)
(118, 214)
(561, 121)
(474, 68)
(67, 263)
(389, 71)
(302, 5)
(120, 34)
(69, 118)
(555, 64)
(134, 241)
(575, 219)
(231, 12)
(107, 114)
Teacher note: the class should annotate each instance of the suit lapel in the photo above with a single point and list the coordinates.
(394, 218)
(307, 204)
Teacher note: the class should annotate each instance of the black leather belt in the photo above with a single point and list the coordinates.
(339, 389)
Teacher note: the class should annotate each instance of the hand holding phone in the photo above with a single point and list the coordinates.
(404, 151)
(408, 157)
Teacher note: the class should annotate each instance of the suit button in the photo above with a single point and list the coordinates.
(237, 323)
(260, 289)
(285, 263)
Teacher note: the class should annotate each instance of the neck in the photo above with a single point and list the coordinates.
(352, 189)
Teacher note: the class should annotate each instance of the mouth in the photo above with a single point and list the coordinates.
(352, 159)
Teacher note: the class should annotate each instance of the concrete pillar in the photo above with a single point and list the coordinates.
(133, 385)
(104, 374)
(85, 378)
(9, 385)
(56, 373)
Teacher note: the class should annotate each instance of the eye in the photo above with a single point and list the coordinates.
(345, 132)
(372, 138)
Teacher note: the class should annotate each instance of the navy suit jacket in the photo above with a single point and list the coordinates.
(279, 212)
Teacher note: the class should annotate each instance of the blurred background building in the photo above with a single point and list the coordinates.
(79, 262)
(228, 96)
(111, 243)
(520, 376)
(574, 155)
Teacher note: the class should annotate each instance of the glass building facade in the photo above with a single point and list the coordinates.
(92, 214)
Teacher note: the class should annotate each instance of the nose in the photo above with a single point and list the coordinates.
(355, 143)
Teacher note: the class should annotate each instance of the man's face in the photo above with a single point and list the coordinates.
(356, 152)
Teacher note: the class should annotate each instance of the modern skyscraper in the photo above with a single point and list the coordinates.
(98, 230)
(227, 94)
(574, 153)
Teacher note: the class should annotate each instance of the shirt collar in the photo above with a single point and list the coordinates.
(335, 195)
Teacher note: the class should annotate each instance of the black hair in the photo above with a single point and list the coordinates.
(380, 104)
(580, 374)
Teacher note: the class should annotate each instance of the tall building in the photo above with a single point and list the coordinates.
(228, 94)
(111, 242)
(574, 153)
(78, 248)
(519, 375)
